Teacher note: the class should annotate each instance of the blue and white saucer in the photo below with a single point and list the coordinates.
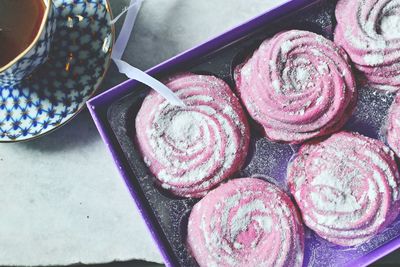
(79, 57)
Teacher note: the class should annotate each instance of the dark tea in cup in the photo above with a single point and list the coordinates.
(20, 22)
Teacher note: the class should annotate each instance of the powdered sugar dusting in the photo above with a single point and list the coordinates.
(390, 26)
(343, 202)
(374, 59)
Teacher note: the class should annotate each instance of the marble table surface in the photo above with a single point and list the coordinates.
(61, 198)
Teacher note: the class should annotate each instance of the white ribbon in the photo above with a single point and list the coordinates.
(127, 69)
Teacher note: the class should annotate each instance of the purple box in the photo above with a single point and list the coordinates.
(317, 251)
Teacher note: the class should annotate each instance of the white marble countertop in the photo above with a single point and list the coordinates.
(61, 198)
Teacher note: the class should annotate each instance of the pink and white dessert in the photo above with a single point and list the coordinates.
(347, 187)
(246, 222)
(297, 85)
(393, 126)
(369, 31)
(191, 149)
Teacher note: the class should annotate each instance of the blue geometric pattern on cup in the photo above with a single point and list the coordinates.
(36, 56)
(58, 89)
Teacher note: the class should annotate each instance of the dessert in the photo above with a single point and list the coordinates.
(347, 187)
(191, 149)
(369, 31)
(297, 85)
(246, 222)
(393, 126)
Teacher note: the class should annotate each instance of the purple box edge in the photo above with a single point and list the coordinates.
(228, 36)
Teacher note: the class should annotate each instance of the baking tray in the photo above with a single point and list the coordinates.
(166, 215)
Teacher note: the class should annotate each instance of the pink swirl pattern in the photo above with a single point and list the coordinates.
(347, 187)
(246, 222)
(393, 126)
(369, 31)
(191, 149)
(297, 85)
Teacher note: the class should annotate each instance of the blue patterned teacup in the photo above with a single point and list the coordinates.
(35, 54)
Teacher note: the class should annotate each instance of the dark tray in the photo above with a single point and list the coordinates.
(168, 214)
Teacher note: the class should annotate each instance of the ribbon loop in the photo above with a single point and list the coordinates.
(131, 72)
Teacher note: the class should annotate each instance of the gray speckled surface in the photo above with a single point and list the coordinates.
(61, 198)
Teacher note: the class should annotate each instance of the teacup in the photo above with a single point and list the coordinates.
(36, 51)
